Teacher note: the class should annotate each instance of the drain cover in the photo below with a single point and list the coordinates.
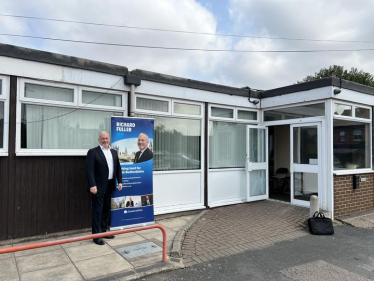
(138, 250)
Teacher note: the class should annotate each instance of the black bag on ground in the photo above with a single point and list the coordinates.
(319, 225)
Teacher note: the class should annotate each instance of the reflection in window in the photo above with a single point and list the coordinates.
(303, 111)
(1, 87)
(62, 128)
(226, 145)
(354, 151)
(1, 123)
(176, 143)
(342, 135)
(362, 112)
(342, 109)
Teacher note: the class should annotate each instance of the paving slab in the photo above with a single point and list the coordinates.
(42, 261)
(88, 251)
(62, 272)
(8, 269)
(102, 266)
(8, 255)
(174, 223)
(37, 251)
(118, 241)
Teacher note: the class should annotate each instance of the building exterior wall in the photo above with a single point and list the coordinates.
(349, 201)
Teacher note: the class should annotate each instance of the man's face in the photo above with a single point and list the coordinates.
(104, 140)
(142, 142)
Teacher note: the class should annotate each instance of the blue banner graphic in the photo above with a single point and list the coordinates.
(133, 140)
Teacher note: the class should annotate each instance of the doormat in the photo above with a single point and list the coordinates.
(138, 250)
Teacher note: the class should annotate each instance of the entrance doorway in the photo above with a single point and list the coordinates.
(279, 163)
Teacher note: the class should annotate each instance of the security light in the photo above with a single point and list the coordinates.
(337, 91)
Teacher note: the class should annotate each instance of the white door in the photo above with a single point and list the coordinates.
(256, 163)
(305, 162)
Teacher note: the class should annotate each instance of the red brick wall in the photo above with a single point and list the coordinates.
(348, 201)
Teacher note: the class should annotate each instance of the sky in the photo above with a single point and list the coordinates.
(315, 20)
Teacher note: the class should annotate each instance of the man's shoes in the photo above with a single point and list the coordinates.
(109, 237)
(99, 241)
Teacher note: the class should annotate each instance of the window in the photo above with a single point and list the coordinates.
(295, 112)
(342, 109)
(247, 115)
(227, 145)
(4, 104)
(53, 121)
(353, 151)
(178, 136)
(222, 112)
(152, 105)
(361, 112)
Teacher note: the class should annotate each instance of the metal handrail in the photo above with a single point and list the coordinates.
(87, 237)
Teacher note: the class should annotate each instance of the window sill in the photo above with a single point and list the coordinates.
(353, 172)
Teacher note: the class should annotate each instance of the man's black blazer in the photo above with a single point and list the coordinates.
(147, 155)
(97, 170)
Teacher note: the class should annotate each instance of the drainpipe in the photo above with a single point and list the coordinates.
(133, 81)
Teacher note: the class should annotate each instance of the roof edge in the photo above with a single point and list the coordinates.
(62, 60)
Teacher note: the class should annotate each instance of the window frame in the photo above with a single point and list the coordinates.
(237, 109)
(77, 104)
(171, 114)
(353, 118)
(4, 97)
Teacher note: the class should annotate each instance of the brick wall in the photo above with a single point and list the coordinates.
(348, 201)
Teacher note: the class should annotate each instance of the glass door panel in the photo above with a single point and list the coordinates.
(305, 165)
(256, 163)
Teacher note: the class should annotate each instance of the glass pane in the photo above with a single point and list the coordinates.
(247, 115)
(153, 105)
(49, 93)
(342, 109)
(1, 87)
(362, 112)
(176, 143)
(305, 185)
(190, 109)
(295, 112)
(227, 145)
(101, 98)
(256, 145)
(62, 128)
(1, 124)
(257, 183)
(351, 145)
(222, 112)
(305, 145)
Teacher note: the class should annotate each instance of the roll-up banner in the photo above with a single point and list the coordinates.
(133, 140)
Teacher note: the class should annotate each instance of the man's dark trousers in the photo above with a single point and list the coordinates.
(101, 210)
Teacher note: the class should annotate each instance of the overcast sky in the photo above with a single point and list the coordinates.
(315, 19)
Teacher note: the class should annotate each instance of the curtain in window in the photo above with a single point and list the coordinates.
(49, 93)
(45, 127)
(152, 105)
(176, 143)
(89, 97)
(226, 145)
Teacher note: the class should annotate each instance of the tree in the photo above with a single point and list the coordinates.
(353, 75)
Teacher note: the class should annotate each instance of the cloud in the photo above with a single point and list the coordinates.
(338, 20)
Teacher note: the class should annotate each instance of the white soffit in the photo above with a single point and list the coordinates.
(356, 97)
(173, 91)
(298, 97)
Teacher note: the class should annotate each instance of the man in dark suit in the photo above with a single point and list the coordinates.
(147, 201)
(102, 170)
(144, 153)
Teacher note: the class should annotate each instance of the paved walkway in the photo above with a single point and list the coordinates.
(233, 229)
(85, 260)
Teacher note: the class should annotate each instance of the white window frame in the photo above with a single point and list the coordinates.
(4, 97)
(256, 121)
(23, 82)
(360, 120)
(73, 105)
(173, 101)
(170, 114)
(103, 91)
(222, 118)
(152, 112)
